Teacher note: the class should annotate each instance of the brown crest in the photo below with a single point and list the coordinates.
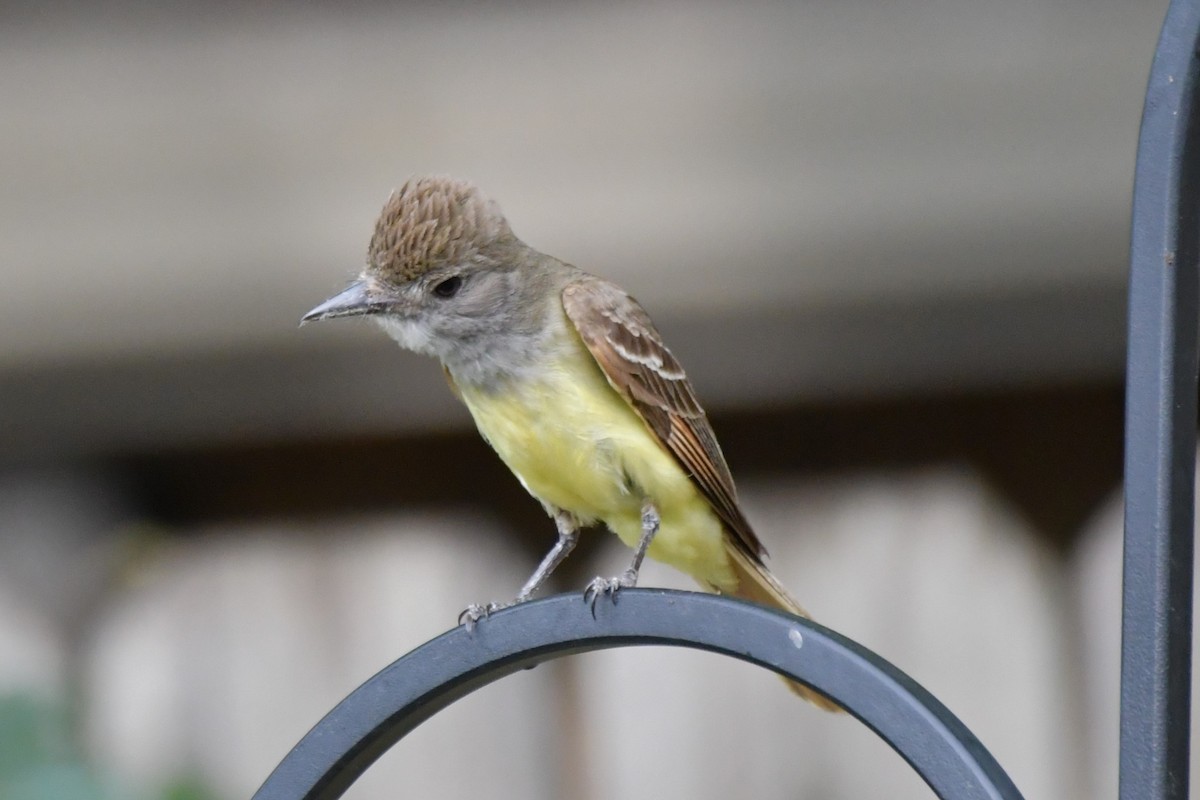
(429, 222)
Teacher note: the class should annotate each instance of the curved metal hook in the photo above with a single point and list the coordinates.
(385, 708)
(1160, 422)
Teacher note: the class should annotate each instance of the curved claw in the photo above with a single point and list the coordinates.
(608, 586)
(475, 612)
(470, 615)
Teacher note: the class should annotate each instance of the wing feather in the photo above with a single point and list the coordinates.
(620, 336)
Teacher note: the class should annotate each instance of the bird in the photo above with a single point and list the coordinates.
(569, 381)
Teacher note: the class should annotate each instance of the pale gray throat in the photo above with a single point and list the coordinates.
(504, 359)
(490, 362)
(410, 334)
(507, 340)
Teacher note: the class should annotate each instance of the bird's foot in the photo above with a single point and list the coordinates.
(475, 612)
(608, 586)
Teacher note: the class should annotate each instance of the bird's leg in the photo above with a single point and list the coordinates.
(650, 523)
(628, 578)
(568, 536)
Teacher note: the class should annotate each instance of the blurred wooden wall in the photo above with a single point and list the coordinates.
(888, 241)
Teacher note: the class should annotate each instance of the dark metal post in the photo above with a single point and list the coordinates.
(1160, 424)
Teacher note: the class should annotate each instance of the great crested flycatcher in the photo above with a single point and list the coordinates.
(569, 382)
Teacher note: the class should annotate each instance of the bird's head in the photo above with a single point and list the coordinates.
(444, 272)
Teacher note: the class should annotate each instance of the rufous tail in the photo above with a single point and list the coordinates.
(755, 582)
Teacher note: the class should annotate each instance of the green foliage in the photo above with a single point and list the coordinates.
(40, 759)
(187, 789)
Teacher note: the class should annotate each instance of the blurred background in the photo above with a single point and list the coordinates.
(888, 241)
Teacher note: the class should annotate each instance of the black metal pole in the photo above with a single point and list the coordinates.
(1160, 424)
(385, 708)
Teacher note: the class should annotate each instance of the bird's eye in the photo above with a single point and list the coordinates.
(449, 287)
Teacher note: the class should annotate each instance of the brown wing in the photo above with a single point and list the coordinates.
(624, 342)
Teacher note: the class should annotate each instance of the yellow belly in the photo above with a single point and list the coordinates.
(576, 445)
